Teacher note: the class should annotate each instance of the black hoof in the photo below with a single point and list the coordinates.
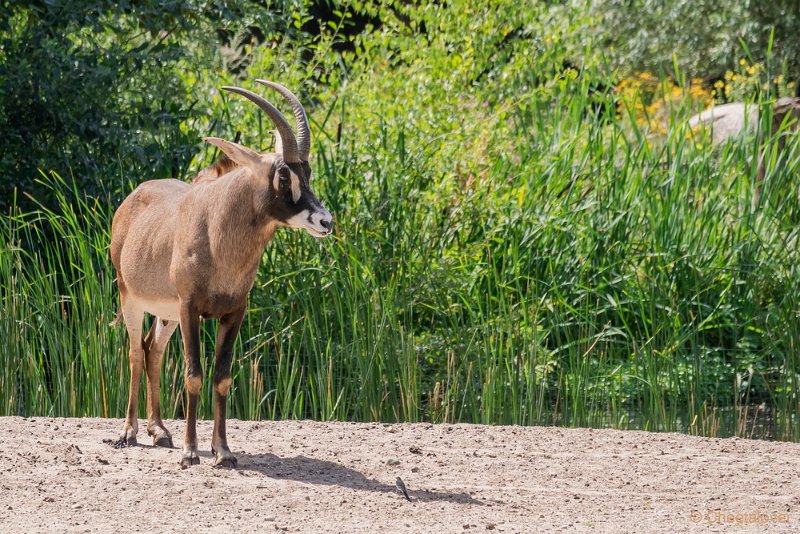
(230, 463)
(164, 442)
(187, 461)
(121, 443)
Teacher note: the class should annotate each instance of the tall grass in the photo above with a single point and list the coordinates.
(590, 276)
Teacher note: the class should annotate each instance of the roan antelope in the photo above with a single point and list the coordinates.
(185, 252)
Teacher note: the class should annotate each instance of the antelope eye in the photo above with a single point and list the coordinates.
(283, 176)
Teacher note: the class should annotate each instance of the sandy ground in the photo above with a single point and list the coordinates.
(302, 476)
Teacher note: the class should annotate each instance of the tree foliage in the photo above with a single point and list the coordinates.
(704, 37)
(101, 89)
(94, 88)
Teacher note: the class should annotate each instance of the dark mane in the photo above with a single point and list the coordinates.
(221, 167)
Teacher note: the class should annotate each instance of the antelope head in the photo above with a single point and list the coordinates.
(288, 197)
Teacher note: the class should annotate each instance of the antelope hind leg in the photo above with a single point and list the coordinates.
(133, 316)
(154, 345)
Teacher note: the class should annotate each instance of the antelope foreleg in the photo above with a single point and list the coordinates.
(226, 335)
(190, 331)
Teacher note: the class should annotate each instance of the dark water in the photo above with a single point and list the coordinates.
(759, 421)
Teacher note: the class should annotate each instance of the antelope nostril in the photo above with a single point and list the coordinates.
(325, 223)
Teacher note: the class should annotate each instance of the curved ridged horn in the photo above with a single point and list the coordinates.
(303, 131)
(288, 141)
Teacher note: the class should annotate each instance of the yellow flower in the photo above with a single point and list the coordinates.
(743, 62)
(697, 91)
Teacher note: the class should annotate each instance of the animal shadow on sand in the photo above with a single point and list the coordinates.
(313, 471)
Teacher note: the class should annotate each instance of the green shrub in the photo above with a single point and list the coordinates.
(705, 37)
(507, 249)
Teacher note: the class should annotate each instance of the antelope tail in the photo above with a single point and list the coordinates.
(117, 319)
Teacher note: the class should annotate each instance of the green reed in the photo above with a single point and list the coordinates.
(590, 276)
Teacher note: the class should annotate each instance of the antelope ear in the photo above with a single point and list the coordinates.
(278, 143)
(238, 153)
